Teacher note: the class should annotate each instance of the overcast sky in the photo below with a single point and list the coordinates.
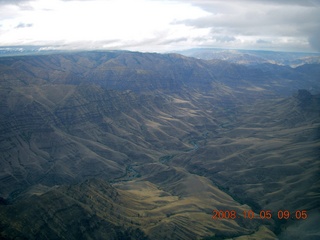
(158, 26)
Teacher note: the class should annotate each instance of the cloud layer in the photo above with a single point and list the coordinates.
(154, 25)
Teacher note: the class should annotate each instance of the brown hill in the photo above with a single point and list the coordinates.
(170, 139)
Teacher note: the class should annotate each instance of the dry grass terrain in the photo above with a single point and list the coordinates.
(122, 145)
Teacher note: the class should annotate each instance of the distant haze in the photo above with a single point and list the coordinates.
(154, 25)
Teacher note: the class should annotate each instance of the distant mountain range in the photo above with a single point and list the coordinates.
(130, 145)
(150, 71)
(29, 50)
(254, 57)
(239, 56)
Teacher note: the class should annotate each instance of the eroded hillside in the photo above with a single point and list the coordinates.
(122, 145)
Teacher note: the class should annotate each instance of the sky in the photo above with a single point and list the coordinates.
(162, 25)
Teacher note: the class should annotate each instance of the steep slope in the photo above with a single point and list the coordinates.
(264, 146)
(129, 210)
(176, 138)
(74, 212)
(267, 158)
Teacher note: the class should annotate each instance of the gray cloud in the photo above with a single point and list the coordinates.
(261, 41)
(12, 2)
(264, 2)
(288, 2)
(24, 25)
(289, 21)
(268, 24)
(173, 41)
(22, 4)
(292, 19)
(314, 40)
(224, 39)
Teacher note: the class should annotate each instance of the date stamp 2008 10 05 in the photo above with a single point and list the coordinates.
(263, 214)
